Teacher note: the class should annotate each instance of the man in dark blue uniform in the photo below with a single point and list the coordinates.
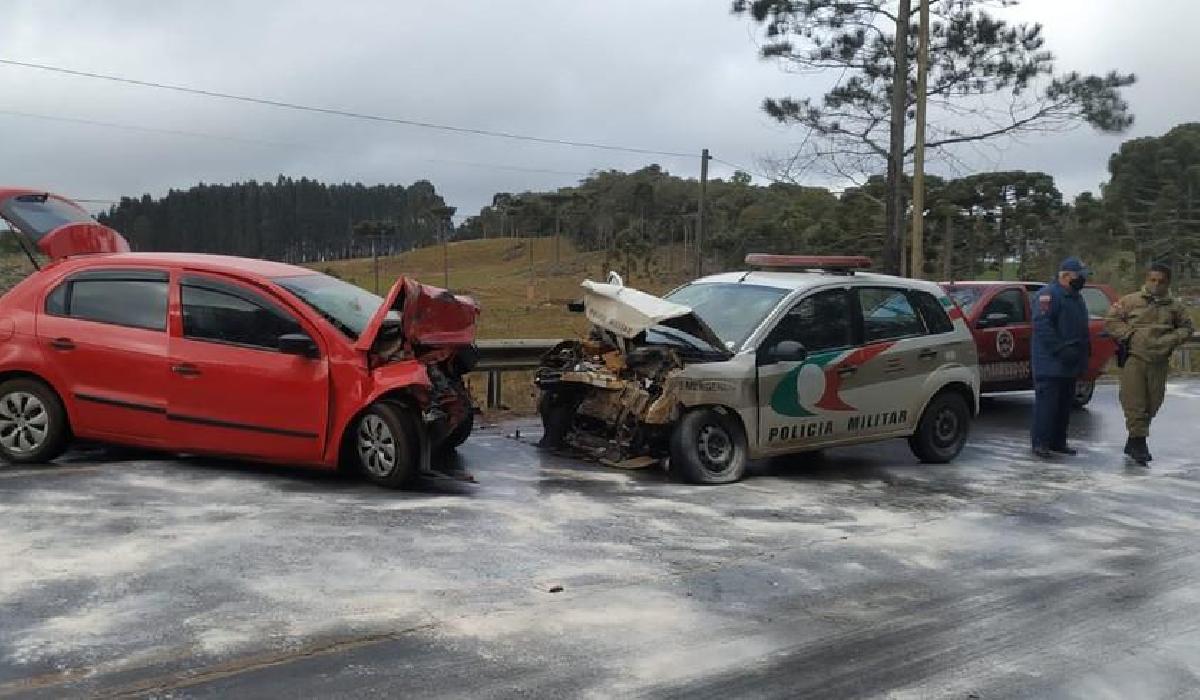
(1060, 351)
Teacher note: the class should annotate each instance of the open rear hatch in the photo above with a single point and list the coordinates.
(56, 226)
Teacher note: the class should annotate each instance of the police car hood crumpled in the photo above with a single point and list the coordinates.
(629, 312)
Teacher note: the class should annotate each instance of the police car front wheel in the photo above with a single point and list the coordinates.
(708, 446)
(943, 429)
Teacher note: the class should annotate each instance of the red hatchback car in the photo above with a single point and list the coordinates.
(221, 355)
(1000, 315)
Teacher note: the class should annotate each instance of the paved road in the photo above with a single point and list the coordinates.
(859, 573)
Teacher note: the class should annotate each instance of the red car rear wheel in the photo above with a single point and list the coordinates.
(33, 422)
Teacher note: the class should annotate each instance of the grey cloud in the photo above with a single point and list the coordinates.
(676, 75)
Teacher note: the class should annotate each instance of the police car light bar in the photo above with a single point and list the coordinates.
(844, 264)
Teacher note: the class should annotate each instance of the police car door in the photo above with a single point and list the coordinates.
(886, 386)
(799, 401)
(1004, 331)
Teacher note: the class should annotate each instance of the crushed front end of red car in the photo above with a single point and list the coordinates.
(436, 329)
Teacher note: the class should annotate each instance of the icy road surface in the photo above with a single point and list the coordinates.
(857, 574)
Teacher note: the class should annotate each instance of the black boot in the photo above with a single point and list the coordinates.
(1129, 446)
(1138, 450)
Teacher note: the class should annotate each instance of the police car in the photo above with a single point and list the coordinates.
(1000, 314)
(797, 353)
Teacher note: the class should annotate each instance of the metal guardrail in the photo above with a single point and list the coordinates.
(510, 355)
(516, 354)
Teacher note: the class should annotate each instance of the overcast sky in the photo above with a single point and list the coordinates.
(671, 75)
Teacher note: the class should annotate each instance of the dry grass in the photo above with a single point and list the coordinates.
(514, 302)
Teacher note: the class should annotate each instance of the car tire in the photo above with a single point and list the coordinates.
(943, 429)
(1084, 391)
(708, 446)
(33, 422)
(385, 445)
(462, 431)
(558, 416)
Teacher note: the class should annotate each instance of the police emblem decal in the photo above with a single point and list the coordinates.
(1005, 343)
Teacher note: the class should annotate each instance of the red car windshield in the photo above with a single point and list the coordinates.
(344, 305)
(39, 214)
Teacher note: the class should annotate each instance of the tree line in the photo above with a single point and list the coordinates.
(1012, 223)
(295, 220)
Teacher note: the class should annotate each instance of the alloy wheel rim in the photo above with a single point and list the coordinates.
(715, 448)
(376, 446)
(24, 422)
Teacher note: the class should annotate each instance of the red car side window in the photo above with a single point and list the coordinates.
(131, 298)
(1010, 303)
(56, 301)
(215, 311)
(1097, 301)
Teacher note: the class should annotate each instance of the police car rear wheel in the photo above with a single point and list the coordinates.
(708, 447)
(943, 429)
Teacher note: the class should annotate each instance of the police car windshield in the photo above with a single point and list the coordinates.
(732, 311)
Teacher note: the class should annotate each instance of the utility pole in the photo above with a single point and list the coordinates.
(894, 244)
(704, 158)
(917, 269)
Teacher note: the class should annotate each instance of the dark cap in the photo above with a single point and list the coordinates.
(1074, 264)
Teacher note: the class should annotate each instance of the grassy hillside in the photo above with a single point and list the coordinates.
(515, 304)
(497, 274)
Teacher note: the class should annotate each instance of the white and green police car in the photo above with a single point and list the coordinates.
(797, 354)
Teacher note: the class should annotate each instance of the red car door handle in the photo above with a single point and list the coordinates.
(186, 370)
(846, 371)
(62, 344)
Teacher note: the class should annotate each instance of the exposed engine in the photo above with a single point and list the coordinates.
(613, 397)
(608, 403)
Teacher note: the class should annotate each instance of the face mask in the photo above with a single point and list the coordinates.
(1158, 290)
(1078, 283)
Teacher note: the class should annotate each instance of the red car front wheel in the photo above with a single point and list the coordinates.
(385, 445)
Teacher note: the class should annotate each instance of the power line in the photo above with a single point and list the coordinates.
(776, 180)
(757, 173)
(497, 166)
(198, 134)
(344, 113)
(132, 127)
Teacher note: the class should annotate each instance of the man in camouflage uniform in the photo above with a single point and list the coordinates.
(1153, 325)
